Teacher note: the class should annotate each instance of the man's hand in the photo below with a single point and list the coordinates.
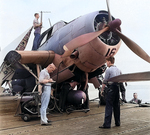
(51, 80)
(40, 89)
(102, 93)
(40, 24)
(47, 81)
(102, 90)
(40, 92)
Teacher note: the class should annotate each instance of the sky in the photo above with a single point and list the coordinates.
(16, 16)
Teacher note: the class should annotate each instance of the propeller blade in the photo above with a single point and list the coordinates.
(134, 47)
(109, 14)
(80, 41)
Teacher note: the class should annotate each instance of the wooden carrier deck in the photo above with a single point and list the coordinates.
(134, 121)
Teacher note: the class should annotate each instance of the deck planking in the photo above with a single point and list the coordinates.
(134, 120)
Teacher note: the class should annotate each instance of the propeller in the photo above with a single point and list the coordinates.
(134, 47)
(80, 41)
(131, 44)
(109, 15)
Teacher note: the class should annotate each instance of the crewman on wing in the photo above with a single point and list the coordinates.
(37, 26)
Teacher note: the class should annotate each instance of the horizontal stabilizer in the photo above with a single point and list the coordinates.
(142, 76)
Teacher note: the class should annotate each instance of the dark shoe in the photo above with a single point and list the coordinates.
(117, 125)
(46, 124)
(49, 121)
(87, 110)
(103, 127)
(124, 100)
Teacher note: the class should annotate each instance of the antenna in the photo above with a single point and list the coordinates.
(50, 22)
(44, 12)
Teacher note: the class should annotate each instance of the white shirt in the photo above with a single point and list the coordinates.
(44, 75)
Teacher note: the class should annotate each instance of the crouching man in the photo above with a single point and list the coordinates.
(45, 79)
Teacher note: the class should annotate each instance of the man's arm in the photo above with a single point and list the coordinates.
(46, 81)
(102, 90)
(36, 24)
(105, 79)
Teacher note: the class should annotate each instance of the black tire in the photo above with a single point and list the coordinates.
(26, 117)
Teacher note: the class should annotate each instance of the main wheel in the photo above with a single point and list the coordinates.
(26, 117)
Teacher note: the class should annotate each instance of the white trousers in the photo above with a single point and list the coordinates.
(45, 98)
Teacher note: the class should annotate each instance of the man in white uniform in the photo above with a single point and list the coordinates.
(45, 79)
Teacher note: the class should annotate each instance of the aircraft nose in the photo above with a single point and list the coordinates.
(93, 54)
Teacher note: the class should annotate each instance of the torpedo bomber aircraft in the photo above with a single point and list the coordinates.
(78, 49)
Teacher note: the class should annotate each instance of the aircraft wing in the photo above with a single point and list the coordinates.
(141, 76)
(16, 59)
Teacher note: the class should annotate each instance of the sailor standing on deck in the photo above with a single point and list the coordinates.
(45, 79)
(37, 26)
(112, 98)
